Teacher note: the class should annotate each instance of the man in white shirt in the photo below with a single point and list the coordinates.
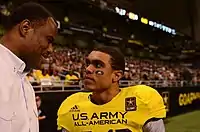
(30, 32)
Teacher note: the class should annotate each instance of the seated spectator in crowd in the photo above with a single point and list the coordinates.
(37, 74)
(55, 78)
(30, 77)
(125, 78)
(71, 78)
(45, 79)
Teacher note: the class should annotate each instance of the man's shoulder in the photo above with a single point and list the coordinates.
(79, 96)
(5, 68)
(141, 91)
(72, 101)
(3, 64)
(5, 71)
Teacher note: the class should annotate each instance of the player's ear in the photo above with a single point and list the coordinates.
(117, 75)
(24, 27)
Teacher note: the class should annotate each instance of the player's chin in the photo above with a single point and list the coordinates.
(89, 87)
(39, 62)
(34, 64)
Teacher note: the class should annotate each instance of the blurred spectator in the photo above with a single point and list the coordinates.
(30, 77)
(55, 79)
(71, 78)
(126, 76)
(54, 76)
(45, 78)
(41, 114)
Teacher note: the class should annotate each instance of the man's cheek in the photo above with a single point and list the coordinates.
(99, 72)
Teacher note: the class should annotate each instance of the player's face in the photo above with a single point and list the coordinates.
(38, 43)
(99, 73)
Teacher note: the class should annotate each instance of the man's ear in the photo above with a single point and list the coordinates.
(118, 76)
(24, 27)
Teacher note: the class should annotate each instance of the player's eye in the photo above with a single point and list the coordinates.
(50, 39)
(98, 65)
(95, 63)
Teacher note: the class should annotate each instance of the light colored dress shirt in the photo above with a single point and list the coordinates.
(18, 111)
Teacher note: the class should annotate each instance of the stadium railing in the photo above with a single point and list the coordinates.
(71, 85)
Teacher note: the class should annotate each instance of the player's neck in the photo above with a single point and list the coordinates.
(104, 97)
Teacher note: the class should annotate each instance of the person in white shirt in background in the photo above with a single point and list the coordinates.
(30, 32)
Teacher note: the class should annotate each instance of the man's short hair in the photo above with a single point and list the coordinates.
(31, 11)
(117, 57)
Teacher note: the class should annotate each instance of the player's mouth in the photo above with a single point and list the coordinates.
(88, 79)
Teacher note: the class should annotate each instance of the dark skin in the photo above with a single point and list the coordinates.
(31, 42)
(104, 87)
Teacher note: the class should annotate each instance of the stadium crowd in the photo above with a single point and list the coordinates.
(68, 65)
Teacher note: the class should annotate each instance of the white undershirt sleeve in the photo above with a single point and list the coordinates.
(154, 126)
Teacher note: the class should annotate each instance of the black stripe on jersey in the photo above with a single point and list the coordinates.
(152, 119)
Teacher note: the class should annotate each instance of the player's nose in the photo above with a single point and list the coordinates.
(50, 49)
(90, 69)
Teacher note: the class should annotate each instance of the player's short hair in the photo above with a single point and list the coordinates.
(117, 57)
(31, 11)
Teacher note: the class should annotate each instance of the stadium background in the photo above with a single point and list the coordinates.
(160, 40)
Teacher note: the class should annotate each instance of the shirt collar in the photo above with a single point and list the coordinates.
(15, 62)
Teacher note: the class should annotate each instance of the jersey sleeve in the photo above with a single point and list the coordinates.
(63, 119)
(151, 102)
(156, 105)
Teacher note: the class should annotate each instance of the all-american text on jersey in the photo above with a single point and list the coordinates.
(101, 118)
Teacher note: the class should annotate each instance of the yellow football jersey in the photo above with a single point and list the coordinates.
(126, 112)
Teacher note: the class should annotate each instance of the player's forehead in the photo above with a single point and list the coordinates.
(97, 55)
